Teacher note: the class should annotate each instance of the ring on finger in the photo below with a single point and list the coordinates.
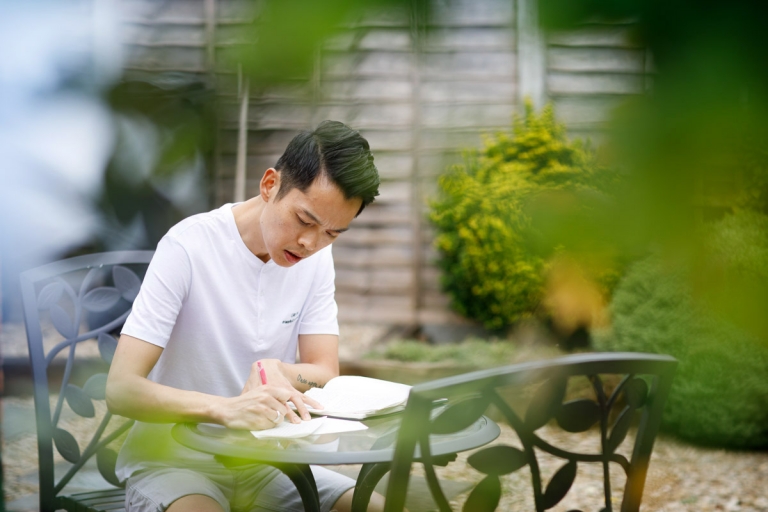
(278, 417)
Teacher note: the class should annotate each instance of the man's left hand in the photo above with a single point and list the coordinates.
(275, 376)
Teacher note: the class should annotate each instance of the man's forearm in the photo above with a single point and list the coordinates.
(131, 394)
(304, 376)
(141, 399)
(320, 356)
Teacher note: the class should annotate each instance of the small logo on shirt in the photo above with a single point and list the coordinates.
(292, 318)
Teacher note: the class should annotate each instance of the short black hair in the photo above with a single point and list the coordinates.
(336, 151)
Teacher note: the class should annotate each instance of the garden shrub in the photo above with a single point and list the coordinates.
(720, 393)
(488, 270)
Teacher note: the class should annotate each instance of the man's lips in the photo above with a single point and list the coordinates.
(293, 258)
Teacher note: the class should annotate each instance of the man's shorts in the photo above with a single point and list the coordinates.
(249, 488)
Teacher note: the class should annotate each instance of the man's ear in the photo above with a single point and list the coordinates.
(270, 184)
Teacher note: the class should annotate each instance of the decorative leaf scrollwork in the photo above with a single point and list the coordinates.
(127, 282)
(620, 429)
(578, 415)
(96, 386)
(485, 496)
(546, 402)
(49, 295)
(66, 445)
(460, 415)
(79, 401)
(107, 346)
(106, 460)
(560, 484)
(101, 299)
(498, 460)
(636, 393)
(62, 322)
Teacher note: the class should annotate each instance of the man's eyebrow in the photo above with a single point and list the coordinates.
(317, 221)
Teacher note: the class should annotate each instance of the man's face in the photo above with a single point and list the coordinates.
(301, 223)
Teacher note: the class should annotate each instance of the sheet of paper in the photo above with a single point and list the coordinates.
(288, 430)
(348, 402)
(337, 426)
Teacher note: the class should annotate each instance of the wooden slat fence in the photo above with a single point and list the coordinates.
(420, 89)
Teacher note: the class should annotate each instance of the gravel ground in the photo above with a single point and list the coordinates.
(681, 477)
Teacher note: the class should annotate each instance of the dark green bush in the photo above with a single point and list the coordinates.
(720, 393)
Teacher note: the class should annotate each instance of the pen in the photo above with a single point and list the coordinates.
(262, 373)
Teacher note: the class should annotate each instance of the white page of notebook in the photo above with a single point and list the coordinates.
(353, 394)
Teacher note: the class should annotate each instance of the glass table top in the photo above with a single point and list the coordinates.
(375, 444)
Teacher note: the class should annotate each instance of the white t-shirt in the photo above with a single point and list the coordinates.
(215, 308)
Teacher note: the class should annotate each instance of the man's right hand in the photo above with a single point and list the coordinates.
(254, 409)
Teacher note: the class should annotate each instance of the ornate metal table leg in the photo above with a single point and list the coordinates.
(301, 476)
(369, 476)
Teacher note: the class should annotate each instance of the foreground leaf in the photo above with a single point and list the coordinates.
(485, 497)
(106, 460)
(545, 403)
(578, 415)
(79, 401)
(66, 445)
(101, 299)
(62, 322)
(560, 484)
(107, 346)
(96, 386)
(498, 460)
(49, 295)
(459, 415)
(127, 282)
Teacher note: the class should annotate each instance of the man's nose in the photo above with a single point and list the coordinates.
(308, 240)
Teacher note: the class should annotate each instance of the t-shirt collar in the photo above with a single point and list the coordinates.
(251, 258)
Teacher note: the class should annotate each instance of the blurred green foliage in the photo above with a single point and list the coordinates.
(491, 274)
(720, 394)
(162, 165)
(692, 147)
(283, 40)
(753, 190)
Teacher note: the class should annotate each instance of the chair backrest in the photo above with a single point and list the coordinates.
(614, 389)
(85, 300)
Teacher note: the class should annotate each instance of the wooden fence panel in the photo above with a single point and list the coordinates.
(590, 71)
(420, 92)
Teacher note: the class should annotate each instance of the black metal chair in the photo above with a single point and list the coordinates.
(641, 381)
(85, 299)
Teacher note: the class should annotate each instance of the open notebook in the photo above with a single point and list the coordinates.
(354, 397)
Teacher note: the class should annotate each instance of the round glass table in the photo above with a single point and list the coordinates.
(373, 448)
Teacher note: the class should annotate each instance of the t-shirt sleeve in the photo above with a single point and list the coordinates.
(162, 294)
(319, 315)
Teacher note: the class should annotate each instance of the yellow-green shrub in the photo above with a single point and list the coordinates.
(488, 270)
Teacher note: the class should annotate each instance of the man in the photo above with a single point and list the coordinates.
(228, 289)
